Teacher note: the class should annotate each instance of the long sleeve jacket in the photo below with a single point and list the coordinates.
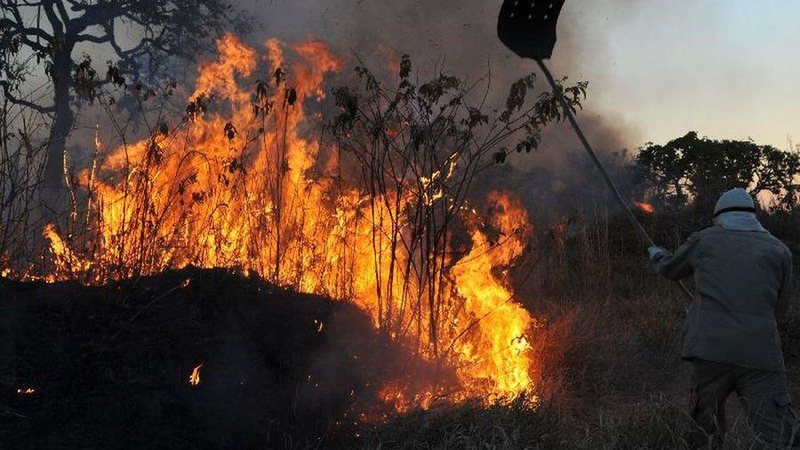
(742, 282)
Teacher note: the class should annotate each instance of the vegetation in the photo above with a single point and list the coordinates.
(607, 372)
(52, 38)
(697, 170)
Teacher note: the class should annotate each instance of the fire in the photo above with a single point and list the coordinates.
(26, 391)
(500, 354)
(242, 182)
(194, 378)
(646, 208)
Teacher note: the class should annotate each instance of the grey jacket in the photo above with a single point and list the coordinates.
(742, 281)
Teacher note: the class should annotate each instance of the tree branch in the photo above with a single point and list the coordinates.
(20, 29)
(91, 38)
(58, 27)
(18, 101)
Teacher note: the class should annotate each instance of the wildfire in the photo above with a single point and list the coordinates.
(245, 184)
(646, 208)
(194, 378)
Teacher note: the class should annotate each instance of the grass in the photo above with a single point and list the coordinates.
(609, 371)
(608, 347)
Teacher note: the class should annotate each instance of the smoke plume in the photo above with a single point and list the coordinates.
(460, 37)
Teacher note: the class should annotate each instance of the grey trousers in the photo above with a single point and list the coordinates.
(764, 395)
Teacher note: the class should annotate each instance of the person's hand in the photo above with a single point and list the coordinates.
(655, 251)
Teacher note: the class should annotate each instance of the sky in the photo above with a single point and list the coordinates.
(657, 68)
(727, 69)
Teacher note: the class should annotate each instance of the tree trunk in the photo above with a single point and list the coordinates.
(54, 187)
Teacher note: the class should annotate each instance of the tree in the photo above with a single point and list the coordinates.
(697, 170)
(51, 32)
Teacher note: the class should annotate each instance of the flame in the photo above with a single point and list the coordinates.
(194, 378)
(26, 391)
(646, 208)
(500, 355)
(243, 183)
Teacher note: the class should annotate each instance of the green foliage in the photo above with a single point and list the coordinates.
(697, 170)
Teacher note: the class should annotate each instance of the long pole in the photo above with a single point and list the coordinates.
(631, 217)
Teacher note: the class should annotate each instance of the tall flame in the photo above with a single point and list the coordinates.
(242, 183)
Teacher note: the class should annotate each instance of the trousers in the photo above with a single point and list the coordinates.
(764, 395)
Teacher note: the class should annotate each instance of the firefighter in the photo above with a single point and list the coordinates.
(742, 276)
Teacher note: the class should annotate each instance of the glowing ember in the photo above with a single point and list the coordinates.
(194, 378)
(26, 391)
(646, 208)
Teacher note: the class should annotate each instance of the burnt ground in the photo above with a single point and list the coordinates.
(110, 365)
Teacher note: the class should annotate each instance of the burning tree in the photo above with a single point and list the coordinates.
(167, 29)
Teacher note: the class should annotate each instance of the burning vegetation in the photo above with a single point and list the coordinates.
(287, 253)
(370, 205)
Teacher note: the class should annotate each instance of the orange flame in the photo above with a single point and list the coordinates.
(243, 184)
(194, 378)
(646, 208)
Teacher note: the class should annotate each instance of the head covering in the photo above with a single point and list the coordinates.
(735, 211)
(737, 199)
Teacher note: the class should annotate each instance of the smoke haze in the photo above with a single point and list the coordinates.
(461, 38)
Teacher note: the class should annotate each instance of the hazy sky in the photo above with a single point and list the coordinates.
(657, 68)
(726, 68)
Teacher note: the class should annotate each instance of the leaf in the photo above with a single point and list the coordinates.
(230, 131)
(291, 96)
(278, 76)
(405, 67)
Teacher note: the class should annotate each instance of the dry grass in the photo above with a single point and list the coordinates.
(609, 350)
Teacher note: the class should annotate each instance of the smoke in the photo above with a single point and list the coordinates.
(460, 37)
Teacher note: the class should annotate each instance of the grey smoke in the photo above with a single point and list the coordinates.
(461, 37)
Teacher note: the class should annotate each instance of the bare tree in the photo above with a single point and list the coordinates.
(47, 34)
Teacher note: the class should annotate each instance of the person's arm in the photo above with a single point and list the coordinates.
(785, 292)
(675, 266)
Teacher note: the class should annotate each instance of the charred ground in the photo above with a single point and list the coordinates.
(110, 365)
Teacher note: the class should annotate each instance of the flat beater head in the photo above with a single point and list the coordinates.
(528, 27)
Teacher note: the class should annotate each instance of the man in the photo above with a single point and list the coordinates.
(742, 278)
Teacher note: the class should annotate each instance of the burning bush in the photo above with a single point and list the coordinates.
(381, 214)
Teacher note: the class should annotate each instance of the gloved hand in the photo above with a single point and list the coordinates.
(655, 251)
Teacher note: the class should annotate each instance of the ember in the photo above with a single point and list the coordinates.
(194, 378)
(646, 208)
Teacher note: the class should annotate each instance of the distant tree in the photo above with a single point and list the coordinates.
(47, 34)
(697, 170)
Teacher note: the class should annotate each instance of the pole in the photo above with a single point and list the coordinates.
(631, 217)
